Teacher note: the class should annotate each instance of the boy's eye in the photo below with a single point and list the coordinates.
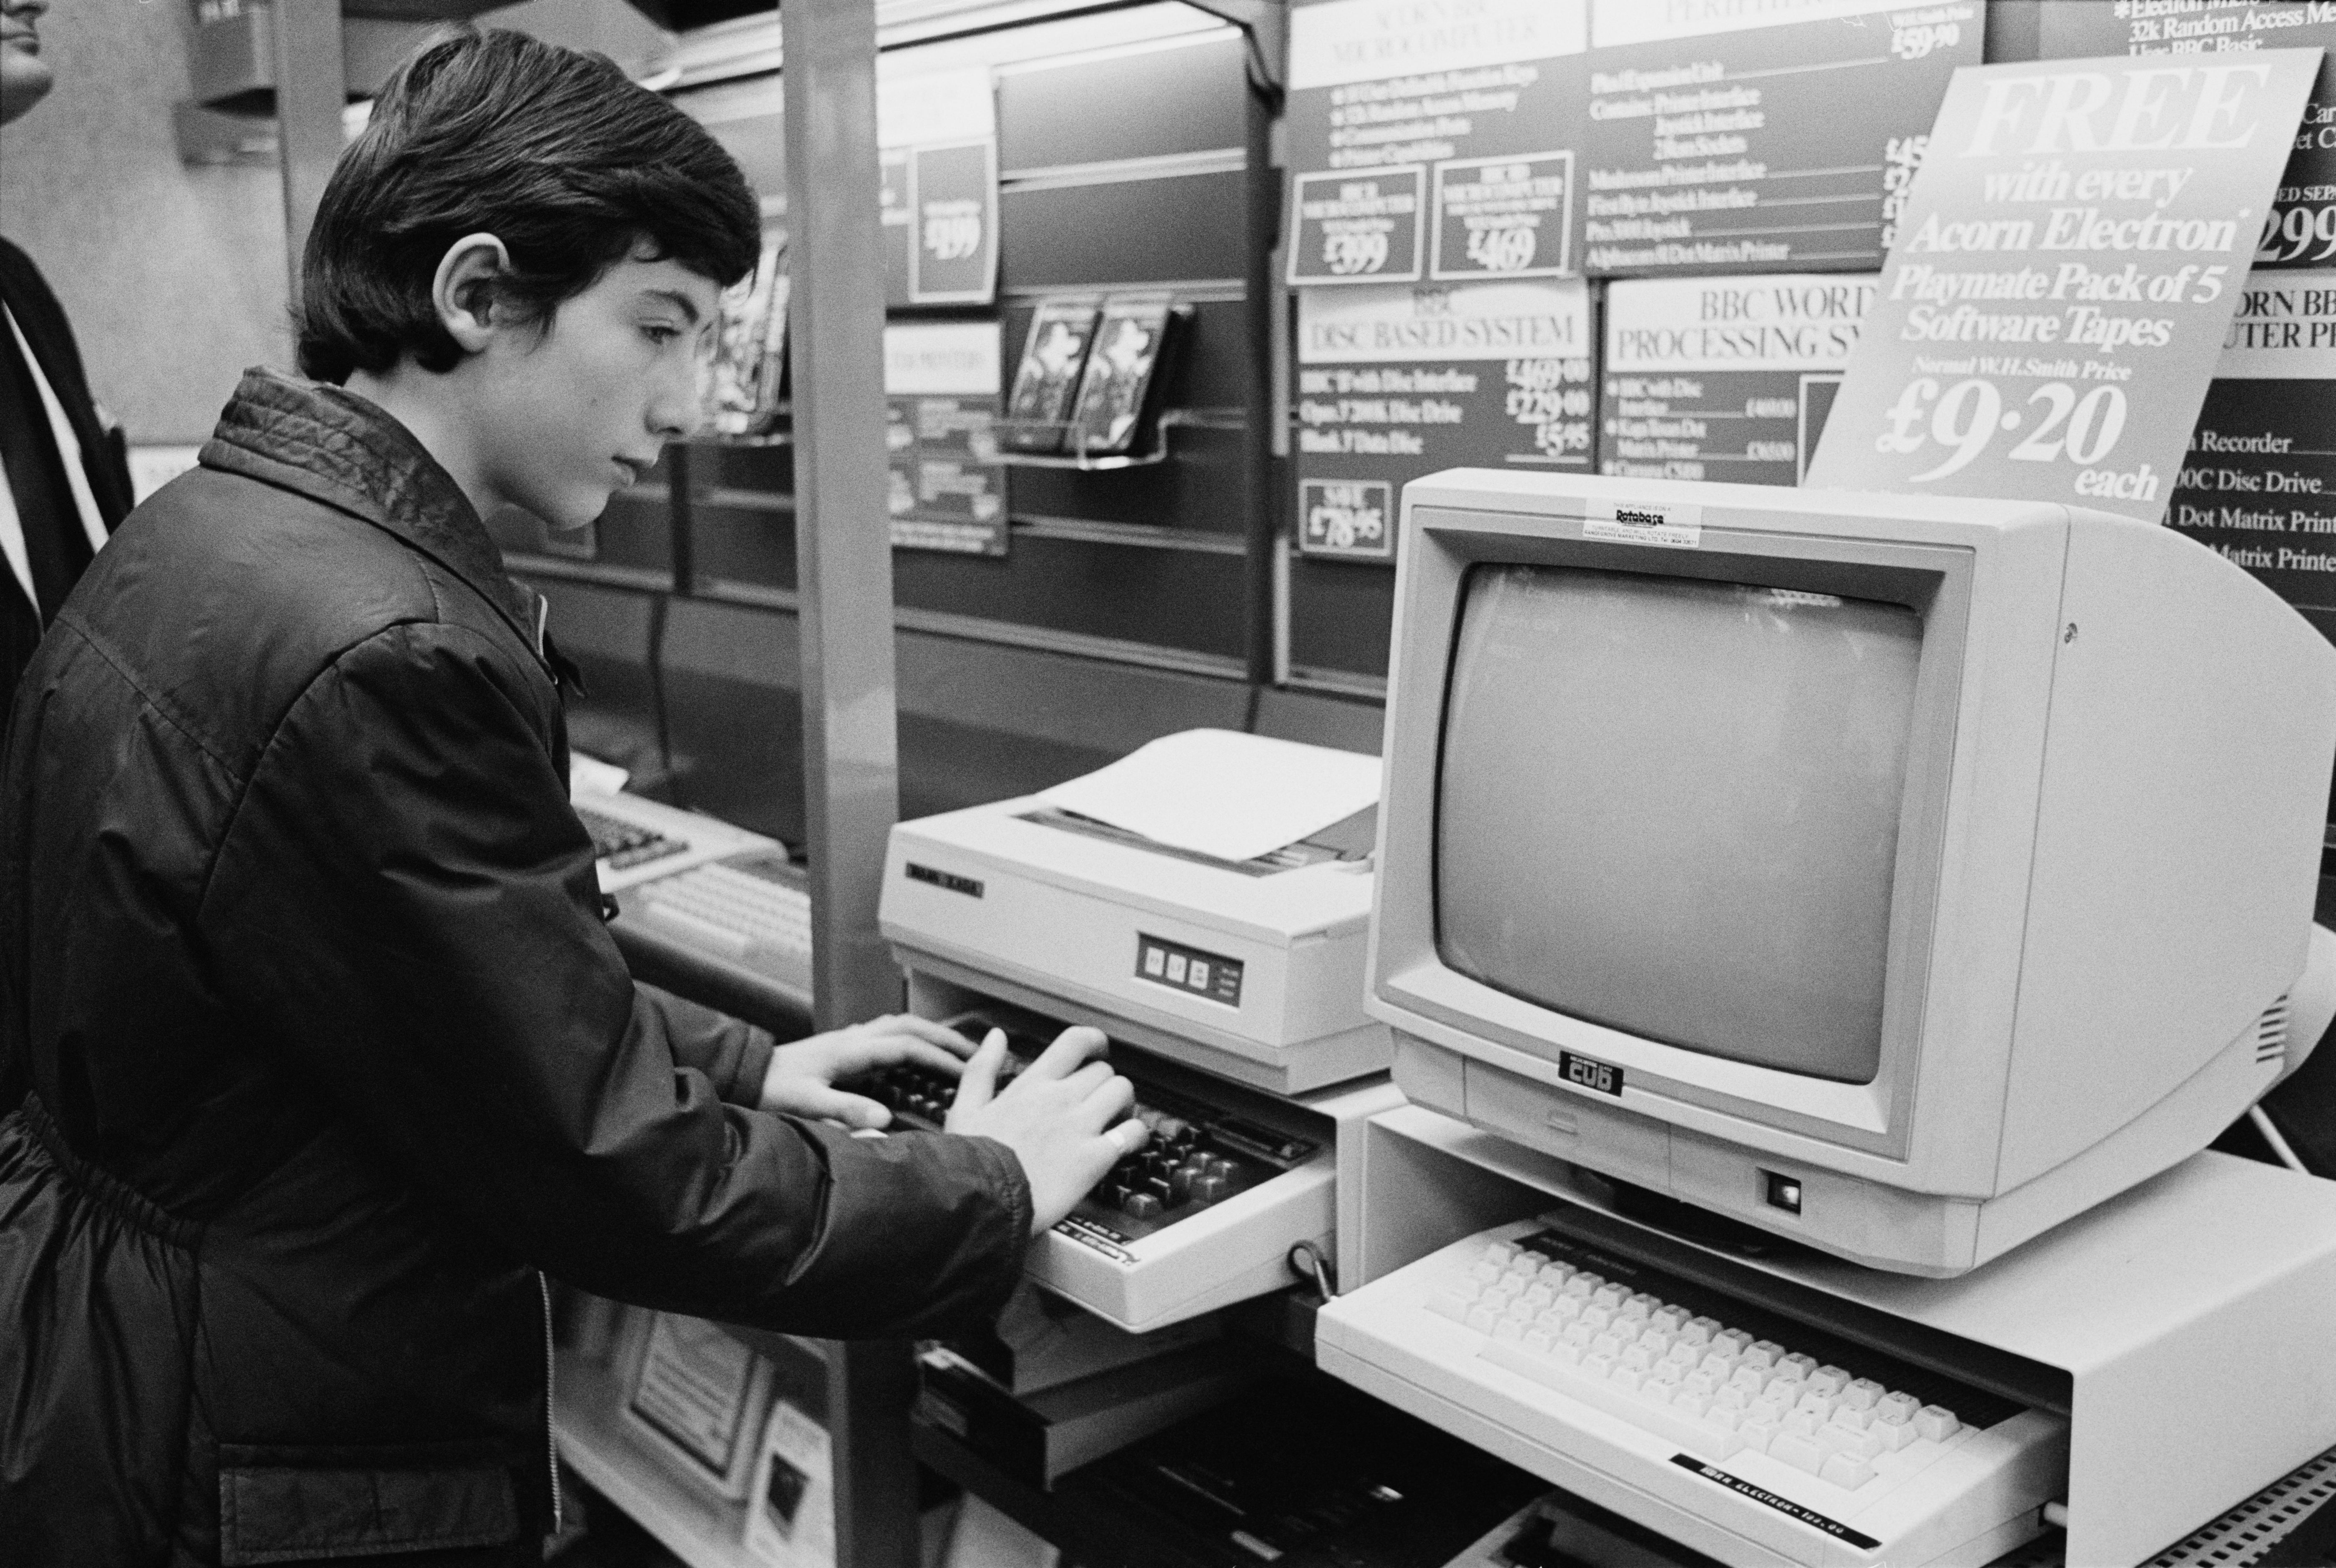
(660, 334)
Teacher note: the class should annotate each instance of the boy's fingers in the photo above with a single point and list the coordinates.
(979, 1086)
(857, 1112)
(1088, 1079)
(923, 1053)
(1109, 1101)
(1071, 1047)
(925, 1029)
(1125, 1138)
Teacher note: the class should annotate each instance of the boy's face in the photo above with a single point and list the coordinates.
(572, 415)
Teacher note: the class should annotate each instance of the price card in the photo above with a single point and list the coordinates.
(1771, 137)
(1433, 141)
(1395, 383)
(1724, 378)
(2071, 256)
(948, 488)
(937, 162)
(2300, 231)
(2259, 483)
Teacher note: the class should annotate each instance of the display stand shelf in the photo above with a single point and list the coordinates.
(702, 1530)
(1068, 433)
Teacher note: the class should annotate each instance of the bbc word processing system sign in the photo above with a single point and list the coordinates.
(2072, 251)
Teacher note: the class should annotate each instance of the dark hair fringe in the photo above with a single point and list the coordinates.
(552, 150)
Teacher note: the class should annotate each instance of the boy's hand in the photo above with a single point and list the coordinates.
(802, 1076)
(1063, 1117)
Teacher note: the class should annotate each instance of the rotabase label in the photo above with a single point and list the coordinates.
(2070, 257)
(2259, 483)
(1397, 382)
(1772, 136)
(1433, 141)
(1724, 378)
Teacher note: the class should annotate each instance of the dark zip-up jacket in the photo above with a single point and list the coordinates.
(317, 1048)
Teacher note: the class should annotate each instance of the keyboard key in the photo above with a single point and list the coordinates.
(1845, 1471)
(1498, 1251)
(1608, 1297)
(1627, 1377)
(1731, 1342)
(1755, 1434)
(1863, 1395)
(1820, 1405)
(1829, 1379)
(1801, 1423)
(1641, 1306)
(1797, 1449)
(1638, 1358)
(1683, 1355)
(1671, 1422)
(1452, 1304)
(1785, 1392)
(1896, 1406)
(1936, 1423)
(1607, 1344)
(1689, 1400)
(1700, 1331)
(1669, 1320)
(1751, 1379)
(1798, 1364)
(1763, 1353)
(1894, 1435)
(1508, 1328)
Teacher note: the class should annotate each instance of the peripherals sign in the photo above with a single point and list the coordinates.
(2071, 256)
(1782, 135)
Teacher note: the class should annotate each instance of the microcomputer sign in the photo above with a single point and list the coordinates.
(2070, 255)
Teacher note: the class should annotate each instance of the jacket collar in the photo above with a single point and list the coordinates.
(343, 451)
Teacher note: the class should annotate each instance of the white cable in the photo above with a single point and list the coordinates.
(2279, 1145)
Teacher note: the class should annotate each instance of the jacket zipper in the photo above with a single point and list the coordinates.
(550, 1439)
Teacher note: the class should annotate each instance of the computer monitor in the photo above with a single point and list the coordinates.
(1900, 874)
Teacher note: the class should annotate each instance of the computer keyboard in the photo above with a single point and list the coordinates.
(1745, 1434)
(1203, 1215)
(753, 908)
(624, 845)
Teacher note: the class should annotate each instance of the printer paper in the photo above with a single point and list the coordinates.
(1224, 794)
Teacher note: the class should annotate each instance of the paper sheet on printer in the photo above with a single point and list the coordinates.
(1224, 794)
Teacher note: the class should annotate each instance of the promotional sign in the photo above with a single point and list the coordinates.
(1774, 136)
(2301, 228)
(1395, 383)
(2259, 485)
(937, 159)
(941, 397)
(1432, 142)
(1724, 378)
(2069, 260)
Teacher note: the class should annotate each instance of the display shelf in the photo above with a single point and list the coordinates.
(702, 1530)
(1067, 432)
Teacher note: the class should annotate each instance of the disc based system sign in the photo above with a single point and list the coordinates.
(2071, 254)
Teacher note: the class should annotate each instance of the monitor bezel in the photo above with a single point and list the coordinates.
(1933, 580)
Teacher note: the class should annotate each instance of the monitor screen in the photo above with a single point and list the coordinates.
(1670, 806)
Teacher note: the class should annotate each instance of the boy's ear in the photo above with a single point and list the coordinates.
(464, 291)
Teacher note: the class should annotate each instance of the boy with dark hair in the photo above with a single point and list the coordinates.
(317, 1049)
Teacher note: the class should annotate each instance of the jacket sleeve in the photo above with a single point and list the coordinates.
(733, 1055)
(406, 909)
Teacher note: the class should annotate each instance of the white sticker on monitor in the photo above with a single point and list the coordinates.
(1670, 525)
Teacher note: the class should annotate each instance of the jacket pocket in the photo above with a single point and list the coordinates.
(281, 1513)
